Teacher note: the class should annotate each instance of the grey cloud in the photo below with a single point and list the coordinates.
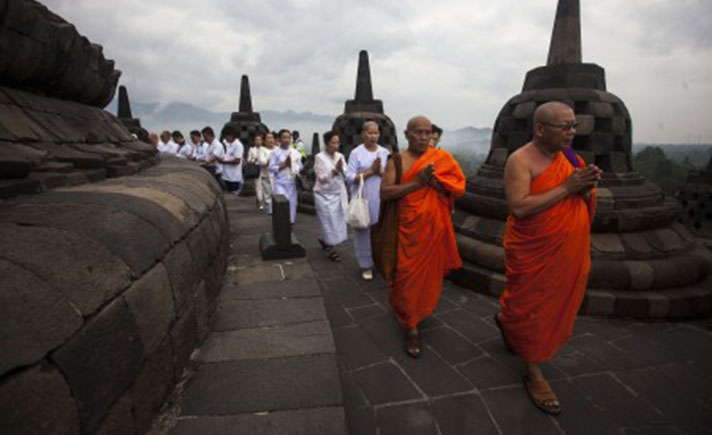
(457, 60)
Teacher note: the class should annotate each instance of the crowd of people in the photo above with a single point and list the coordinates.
(550, 194)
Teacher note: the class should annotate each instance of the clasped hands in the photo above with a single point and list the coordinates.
(583, 180)
(426, 176)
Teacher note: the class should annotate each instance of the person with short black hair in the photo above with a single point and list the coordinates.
(199, 147)
(285, 164)
(232, 161)
(330, 197)
(184, 151)
(259, 154)
(214, 154)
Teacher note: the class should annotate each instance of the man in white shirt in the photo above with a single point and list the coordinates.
(232, 161)
(199, 147)
(214, 154)
(165, 138)
(184, 151)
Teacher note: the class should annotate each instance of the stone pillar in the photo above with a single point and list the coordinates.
(280, 244)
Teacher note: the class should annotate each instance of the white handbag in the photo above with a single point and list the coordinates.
(357, 215)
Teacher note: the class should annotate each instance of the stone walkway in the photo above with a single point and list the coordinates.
(268, 365)
(614, 377)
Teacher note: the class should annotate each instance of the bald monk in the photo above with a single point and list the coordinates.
(551, 199)
(430, 181)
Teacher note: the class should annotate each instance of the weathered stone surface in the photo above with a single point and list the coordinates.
(153, 382)
(132, 239)
(183, 339)
(261, 313)
(304, 287)
(414, 418)
(278, 383)
(323, 421)
(150, 301)
(275, 342)
(119, 420)
(101, 361)
(36, 317)
(162, 211)
(37, 401)
(78, 267)
(384, 382)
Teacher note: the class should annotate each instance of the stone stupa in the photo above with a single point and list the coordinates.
(361, 109)
(247, 124)
(126, 117)
(645, 263)
(696, 200)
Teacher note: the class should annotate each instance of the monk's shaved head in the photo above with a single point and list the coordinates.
(417, 120)
(548, 112)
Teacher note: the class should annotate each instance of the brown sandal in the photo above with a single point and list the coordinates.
(412, 344)
(540, 392)
(334, 256)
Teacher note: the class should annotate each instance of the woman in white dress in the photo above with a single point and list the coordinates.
(259, 155)
(285, 163)
(330, 198)
(368, 160)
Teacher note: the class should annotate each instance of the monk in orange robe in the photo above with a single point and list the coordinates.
(427, 251)
(551, 199)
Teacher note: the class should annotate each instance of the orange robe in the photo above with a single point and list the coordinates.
(426, 241)
(548, 261)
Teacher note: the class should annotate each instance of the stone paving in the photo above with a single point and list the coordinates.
(614, 376)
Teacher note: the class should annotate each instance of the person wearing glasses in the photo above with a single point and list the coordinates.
(551, 198)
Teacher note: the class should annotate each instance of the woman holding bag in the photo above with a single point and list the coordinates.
(367, 162)
(330, 198)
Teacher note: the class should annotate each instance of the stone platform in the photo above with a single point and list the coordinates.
(614, 377)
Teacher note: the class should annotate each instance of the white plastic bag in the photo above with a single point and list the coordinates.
(357, 215)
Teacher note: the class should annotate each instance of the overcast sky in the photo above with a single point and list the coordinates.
(455, 61)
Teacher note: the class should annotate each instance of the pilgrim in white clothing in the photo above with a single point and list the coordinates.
(360, 160)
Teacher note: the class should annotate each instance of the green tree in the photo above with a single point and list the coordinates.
(654, 165)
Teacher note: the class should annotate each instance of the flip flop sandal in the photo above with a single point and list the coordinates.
(539, 393)
(334, 256)
(323, 244)
(412, 345)
(504, 338)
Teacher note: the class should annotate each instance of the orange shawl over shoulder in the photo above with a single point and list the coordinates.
(426, 241)
(548, 262)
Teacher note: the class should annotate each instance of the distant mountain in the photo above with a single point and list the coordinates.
(468, 140)
(186, 117)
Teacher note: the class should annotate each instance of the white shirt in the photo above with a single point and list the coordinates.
(233, 152)
(161, 147)
(216, 151)
(185, 151)
(200, 151)
(278, 157)
(171, 148)
(324, 166)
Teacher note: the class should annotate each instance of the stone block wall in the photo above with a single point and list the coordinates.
(106, 290)
(42, 53)
(47, 143)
